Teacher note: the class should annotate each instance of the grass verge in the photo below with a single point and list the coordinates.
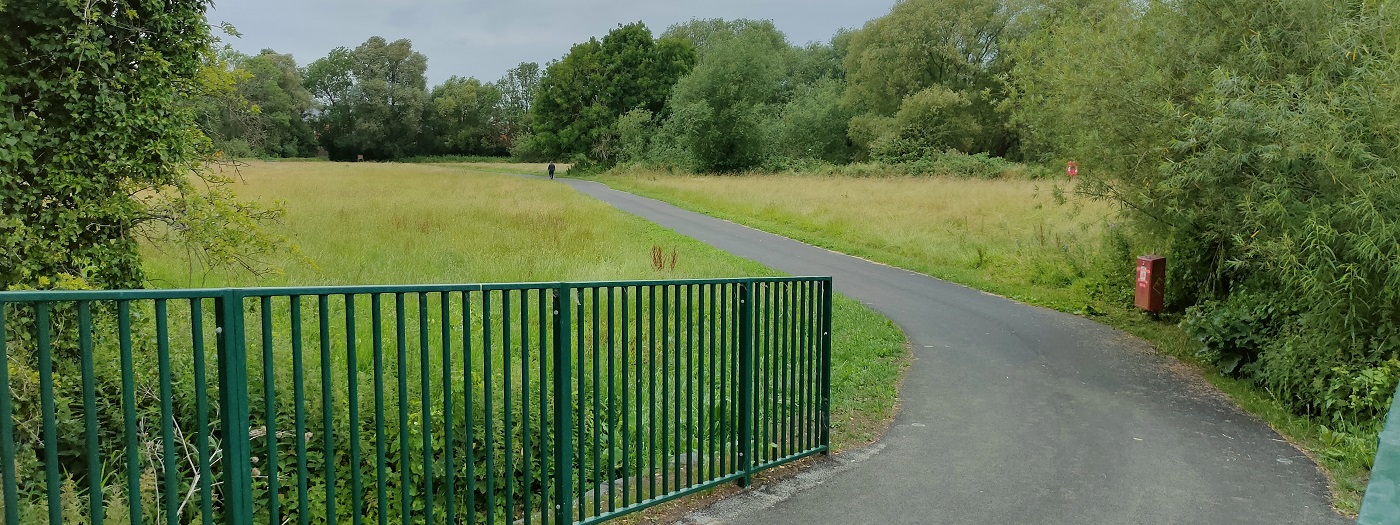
(1010, 237)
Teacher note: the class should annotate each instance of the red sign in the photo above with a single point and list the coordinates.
(1072, 169)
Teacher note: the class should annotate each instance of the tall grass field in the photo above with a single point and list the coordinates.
(371, 223)
(320, 386)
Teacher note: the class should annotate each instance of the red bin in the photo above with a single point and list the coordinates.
(1151, 282)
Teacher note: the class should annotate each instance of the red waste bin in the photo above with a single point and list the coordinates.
(1151, 282)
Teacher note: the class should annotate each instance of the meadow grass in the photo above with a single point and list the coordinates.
(380, 223)
(1011, 237)
(1008, 237)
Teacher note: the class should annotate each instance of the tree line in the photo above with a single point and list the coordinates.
(368, 102)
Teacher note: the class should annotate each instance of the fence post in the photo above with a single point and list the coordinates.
(7, 432)
(233, 408)
(825, 364)
(746, 383)
(563, 407)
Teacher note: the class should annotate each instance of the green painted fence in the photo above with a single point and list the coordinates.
(1382, 502)
(492, 404)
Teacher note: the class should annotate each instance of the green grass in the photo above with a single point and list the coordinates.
(1010, 237)
(381, 223)
(1004, 236)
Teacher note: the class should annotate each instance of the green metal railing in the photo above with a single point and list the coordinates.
(1382, 501)
(493, 404)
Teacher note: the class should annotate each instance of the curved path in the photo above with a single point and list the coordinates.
(1016, 414)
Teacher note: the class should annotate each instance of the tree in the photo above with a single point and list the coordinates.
(1258, 139)
(517, 96)
(813, 123)
(389, 97)
(100, 144)
(373, 98)
(274, 86)
(331, 80)
(462, 119)
(955, 45)
(723, 108)
(581, 96)
(222, 113)
(709, 33)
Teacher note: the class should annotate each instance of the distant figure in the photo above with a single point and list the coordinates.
(551, 170)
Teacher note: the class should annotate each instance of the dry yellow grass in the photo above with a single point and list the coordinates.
(1005, 236)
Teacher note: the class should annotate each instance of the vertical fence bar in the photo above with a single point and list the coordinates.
(612, 391)
(96, 505)
(352, 377)
(745, 384)
(773, 445)
(730, 364)
(562, 402)
(636, 388)
(808, 325)
(651, 398)
(201, 404)
(7, 429)
(42, 326)
(692, 455)
(133, 451)
(544, 315)
(597, 404)
(323, 318)
(376, 307)
(814, 363)
(825, 364)
(490, 415)
(450, 483)
(627, 393)
(424, 374)
(665, 368)
(576, 307)
(233, 411)
(401, 341)
(299, 409)
(686, 447)
(764, 395)
(525, 405)
(167, 414)
(713, 397)
(467, 386)
(789, 369)
(507, 426)
(274, 511)
(7, 432)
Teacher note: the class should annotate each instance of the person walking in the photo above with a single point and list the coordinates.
(551, 170)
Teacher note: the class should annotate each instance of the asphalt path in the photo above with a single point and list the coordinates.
(1016, 414)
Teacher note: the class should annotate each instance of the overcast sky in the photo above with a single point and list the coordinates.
(482, 39)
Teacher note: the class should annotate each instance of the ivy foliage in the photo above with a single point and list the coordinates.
(99, 147)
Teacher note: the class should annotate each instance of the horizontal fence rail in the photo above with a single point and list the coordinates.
(491, 404)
